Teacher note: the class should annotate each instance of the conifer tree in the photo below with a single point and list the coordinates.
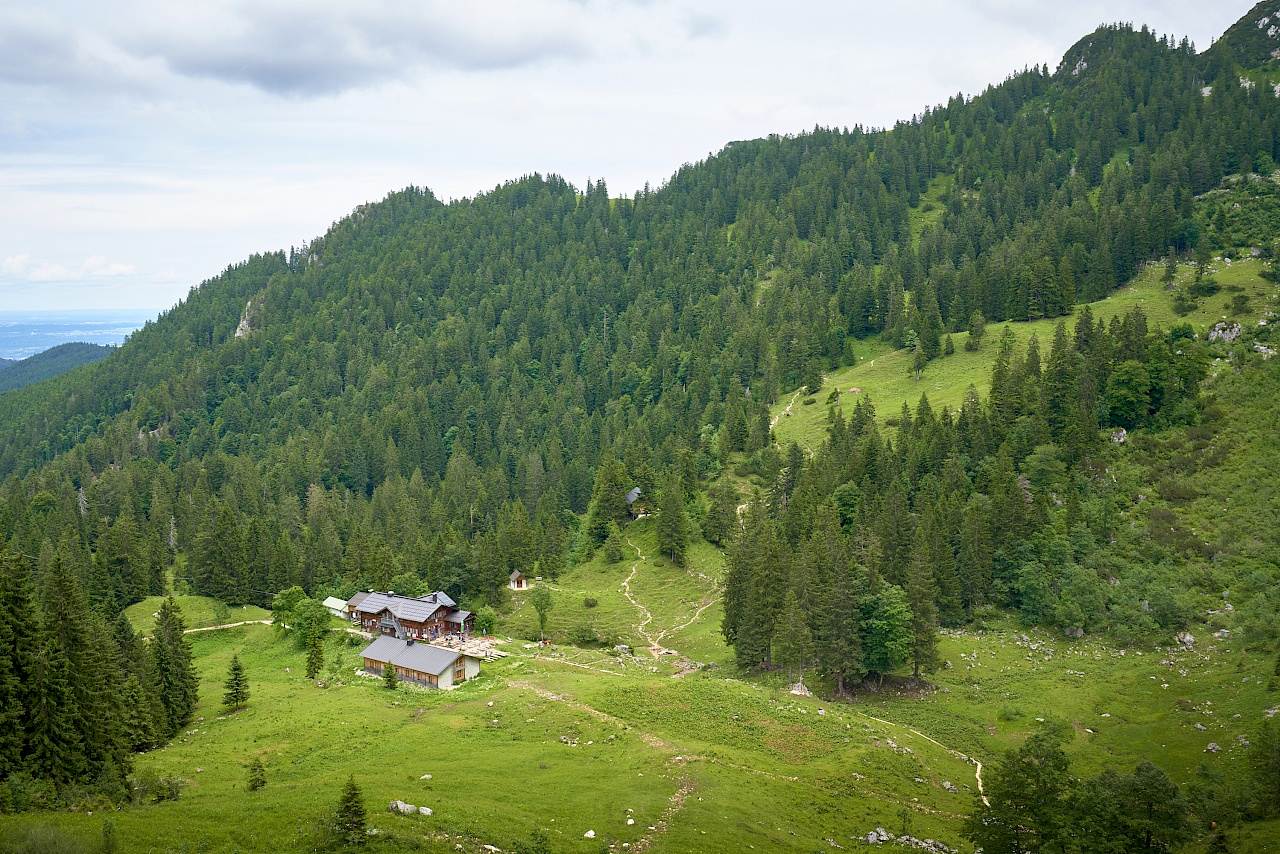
(257, 774)
(722, 517)
(138, 726)
(608, 499)
(173, 671)
(17, 659)
(792, 641)
(841, 645)
(350, 818)
(390, 677)
(613, 544)
(236, 692)
(315, 651)
(922, 595)
(55, 744)
(673, 522)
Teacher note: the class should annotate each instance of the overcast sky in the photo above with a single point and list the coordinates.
(147, 144)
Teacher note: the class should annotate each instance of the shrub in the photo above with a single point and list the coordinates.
(257, 775)
(589, 602)
(583, 634)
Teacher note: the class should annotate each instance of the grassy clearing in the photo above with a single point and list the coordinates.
(570, 740)
(197, 611)
(885, 377)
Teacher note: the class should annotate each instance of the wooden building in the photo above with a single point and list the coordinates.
(424, 618)
(420, 663)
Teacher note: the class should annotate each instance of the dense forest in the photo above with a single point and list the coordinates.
(17, 373)
(430, 395)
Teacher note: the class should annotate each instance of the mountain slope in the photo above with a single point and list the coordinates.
(50, 363)
(431, 395)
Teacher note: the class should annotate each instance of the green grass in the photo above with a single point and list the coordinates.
(884, 375)
(197, 612)
(720, 762)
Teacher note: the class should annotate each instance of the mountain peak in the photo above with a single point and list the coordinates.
(1254, 40)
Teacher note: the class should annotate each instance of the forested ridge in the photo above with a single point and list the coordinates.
(430, 395)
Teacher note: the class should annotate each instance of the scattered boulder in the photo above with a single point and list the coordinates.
(622, 648)
(1119, 436)
(424, 810)
(403, 808)
(590, 834)
(1185, 638)
(1074, 632)
(1213, 748)
(1224, 331)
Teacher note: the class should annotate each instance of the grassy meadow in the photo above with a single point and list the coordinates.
(884, 375)
(572, 740)
(678, 751)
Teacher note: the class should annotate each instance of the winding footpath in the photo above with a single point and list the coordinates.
(656, 649)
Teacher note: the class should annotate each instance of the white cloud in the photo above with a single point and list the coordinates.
(146, 144)
(23, 267)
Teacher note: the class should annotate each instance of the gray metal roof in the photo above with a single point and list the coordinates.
(422, 657)
(354, 601)
(515, 573)
(632, 495)
(402, 607)
(458, 616)
(441, 597)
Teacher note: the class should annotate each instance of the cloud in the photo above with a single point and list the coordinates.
(23, 267)
(40, 49)
(290, 47)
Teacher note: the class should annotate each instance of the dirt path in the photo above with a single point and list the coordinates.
(228, 626)
(656, 649)
(787, 411)
(957, 754)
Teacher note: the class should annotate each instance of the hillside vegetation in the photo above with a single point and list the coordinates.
(1040, 534)
(50, 363)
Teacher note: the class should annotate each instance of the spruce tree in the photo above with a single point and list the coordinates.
(236, 687)
(138, 728)
(56, 749)
(349, 819)
(390, 678)
(841, 650)
(722, 517)
(257, 774)
(17, 659)
(673, 522)
(792, 640)
(315, 651)
(173, 671)
(921, 599)
(608, 499)
(613, 544)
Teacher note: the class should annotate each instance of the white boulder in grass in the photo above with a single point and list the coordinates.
(590, 834)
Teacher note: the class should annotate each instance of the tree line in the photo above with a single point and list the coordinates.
(855, 557)
(80, 691)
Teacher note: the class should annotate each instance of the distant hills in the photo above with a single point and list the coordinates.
(16, 373)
